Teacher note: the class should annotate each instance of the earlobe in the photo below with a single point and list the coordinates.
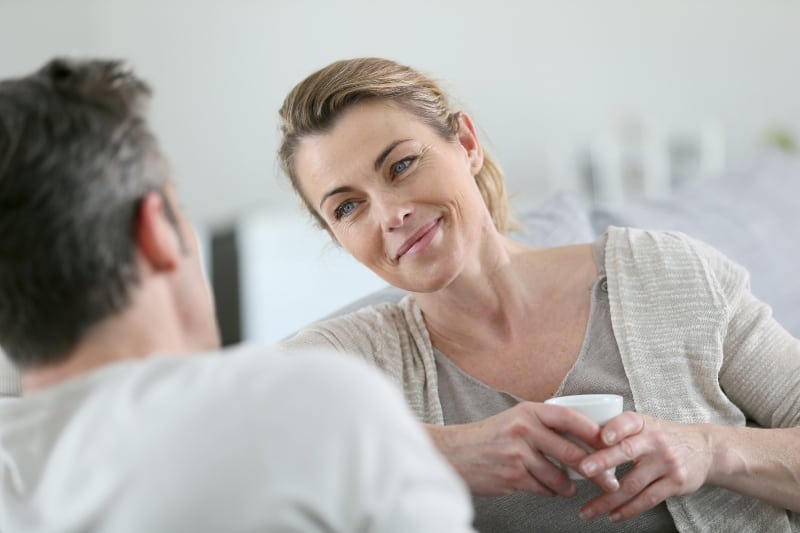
(155, 236)
(468, 138)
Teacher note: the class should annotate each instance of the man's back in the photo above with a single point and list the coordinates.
(252, 441)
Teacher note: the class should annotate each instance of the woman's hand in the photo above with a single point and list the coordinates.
(670, 459)
(506, 453)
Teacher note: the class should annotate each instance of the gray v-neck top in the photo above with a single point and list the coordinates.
(598, 369)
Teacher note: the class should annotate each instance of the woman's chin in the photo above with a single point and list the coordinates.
(423, 283)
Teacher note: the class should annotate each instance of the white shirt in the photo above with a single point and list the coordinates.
(253, 441)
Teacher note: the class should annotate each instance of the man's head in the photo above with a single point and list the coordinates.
(78, 166)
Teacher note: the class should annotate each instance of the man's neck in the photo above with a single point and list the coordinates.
(76, 364)
(127, 336)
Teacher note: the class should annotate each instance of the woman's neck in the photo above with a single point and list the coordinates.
(491, 290)
(495, 300)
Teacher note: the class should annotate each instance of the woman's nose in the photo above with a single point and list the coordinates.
(394, 213)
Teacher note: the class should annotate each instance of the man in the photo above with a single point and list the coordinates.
(100, 273)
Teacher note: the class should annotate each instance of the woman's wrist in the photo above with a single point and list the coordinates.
(440, 435)
(727, 462)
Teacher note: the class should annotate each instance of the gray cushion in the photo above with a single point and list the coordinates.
(388, 294)
(561, 219)
(752, 216)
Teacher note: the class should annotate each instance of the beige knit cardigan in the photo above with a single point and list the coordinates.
(696, 346)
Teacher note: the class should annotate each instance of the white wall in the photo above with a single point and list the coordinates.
(292, 274)
(541, 78)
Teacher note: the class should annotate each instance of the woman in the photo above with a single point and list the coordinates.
(493, 327)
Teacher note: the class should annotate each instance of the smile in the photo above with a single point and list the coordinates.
(420, 240)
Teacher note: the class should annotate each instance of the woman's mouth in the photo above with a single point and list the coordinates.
(420, 240)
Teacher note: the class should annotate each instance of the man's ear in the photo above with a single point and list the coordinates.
(468, 139)
(156, 236)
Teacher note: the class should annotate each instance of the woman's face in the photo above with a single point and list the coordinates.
(396, 195)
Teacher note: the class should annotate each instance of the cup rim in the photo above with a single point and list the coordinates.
(577, 400)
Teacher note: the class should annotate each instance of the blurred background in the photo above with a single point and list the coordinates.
(611, 100)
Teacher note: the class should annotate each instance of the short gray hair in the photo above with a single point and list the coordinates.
(76, 158)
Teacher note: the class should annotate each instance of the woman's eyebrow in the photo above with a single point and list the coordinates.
(337, 190)
(383, 155)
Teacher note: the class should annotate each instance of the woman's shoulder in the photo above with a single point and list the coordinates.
(638, 244)
(657, 257)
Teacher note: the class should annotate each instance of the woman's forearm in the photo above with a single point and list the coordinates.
(763, 463)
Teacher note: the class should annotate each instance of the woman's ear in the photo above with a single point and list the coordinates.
(468, 139)
(156, 237)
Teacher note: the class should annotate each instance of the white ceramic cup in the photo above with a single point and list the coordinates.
(598, 407)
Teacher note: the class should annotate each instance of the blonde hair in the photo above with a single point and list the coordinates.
(314, 105)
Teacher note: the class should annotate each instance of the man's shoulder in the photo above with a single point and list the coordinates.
(249, 372)
(212, 403)
(176, 387)
(316, 368)
(301, 433)
(255, 394)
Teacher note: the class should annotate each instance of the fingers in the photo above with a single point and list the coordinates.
(539, 475)
(566, 420)
(514, 450)
(625, 452)
(559, 448)
(631, 500)
(626, 443)
(541, 429)
(664, 467)
(622, 426)
(568, 452)
(646, 500)
(550, 476)
(521, 479)
(606, 480)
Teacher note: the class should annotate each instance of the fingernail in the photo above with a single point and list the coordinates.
(615, 517)
(589, 468)
(610, 437)
(613, 485)
(587, 514)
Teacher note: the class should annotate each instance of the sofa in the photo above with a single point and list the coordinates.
(752, 215)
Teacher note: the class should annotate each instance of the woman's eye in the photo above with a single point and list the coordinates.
(344, 209)
(401, 166)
